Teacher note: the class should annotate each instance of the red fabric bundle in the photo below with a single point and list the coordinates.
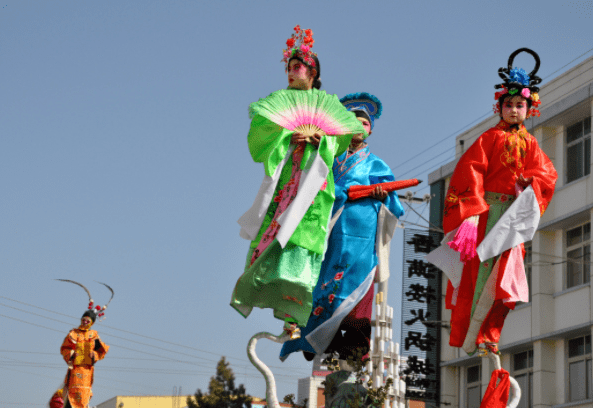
(359, 191)
(497, 395)
(56, 401)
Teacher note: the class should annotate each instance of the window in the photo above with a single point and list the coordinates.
(578, 252)
(578, 150)
(474, 388)
(523, 373)
(579, 368)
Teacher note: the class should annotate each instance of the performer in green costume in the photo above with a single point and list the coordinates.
(289, 220)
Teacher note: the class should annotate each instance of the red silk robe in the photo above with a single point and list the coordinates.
(493, 163)
(78, 350)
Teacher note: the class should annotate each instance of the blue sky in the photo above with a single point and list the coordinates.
(123, 159)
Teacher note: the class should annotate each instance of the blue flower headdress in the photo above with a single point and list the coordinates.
(518, 82)
(363, 102)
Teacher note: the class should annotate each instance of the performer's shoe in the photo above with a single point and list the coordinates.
(308, 356)
(292, 330)
(485, 348)
(492, 347)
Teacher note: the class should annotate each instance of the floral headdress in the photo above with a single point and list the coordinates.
(518, 82)
(299, 44)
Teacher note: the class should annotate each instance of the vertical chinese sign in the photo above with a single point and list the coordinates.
(420, 315)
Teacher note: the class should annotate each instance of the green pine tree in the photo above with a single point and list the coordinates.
(375, 398)
(289, 399)
(221, 391)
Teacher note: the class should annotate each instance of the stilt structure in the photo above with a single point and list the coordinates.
(384, 360)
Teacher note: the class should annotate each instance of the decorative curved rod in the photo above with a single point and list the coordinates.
(271, 397)
(514, 402)
(79, 284)
(112, 293)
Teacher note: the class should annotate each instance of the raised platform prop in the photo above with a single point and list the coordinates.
(385, 359)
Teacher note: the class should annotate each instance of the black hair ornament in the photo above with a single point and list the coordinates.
(517, 82)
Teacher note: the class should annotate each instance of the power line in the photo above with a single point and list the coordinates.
(485, 115)
(15, 362)
(53, 378)
(473, 138)
(561, 96)
(122, 338)
(129, 370)
(111, 358)
(441, 141)
(141, 351)
(129, 332)
(564, 66)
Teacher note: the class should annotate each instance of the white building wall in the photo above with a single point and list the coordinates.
(307, 388)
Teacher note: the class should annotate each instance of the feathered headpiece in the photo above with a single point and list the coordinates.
(518, 82)
(93, 311)
(299, 44)
(363, 102)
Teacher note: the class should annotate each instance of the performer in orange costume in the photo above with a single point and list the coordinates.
(504, 160)
(81, 349)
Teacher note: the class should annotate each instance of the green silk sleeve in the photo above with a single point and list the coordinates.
(268, 143)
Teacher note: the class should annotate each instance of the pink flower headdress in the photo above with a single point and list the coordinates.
(299, 44)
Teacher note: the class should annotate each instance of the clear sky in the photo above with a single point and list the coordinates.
(123, 159)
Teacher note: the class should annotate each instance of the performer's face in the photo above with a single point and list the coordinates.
(514, 110)
(358, 139)
(300, 76)
(86, 321)
(366, 124)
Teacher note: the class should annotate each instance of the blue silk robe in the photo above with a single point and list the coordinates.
(348, 270)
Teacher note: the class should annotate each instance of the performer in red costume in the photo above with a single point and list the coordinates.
(500, 164)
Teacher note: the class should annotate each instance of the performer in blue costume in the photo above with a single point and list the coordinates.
(358, 248)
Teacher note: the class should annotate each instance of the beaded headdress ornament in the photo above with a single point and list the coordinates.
(518, 82)
(299, 44)
(96, 311)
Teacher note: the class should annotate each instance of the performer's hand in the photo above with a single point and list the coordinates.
(315, 139)
(523, 182)
(70, 362)
(297, 138)
(379, 194)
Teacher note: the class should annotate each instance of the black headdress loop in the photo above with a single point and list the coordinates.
(504, 73)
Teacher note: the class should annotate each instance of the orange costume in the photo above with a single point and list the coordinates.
(484, 181)
(81, 349)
